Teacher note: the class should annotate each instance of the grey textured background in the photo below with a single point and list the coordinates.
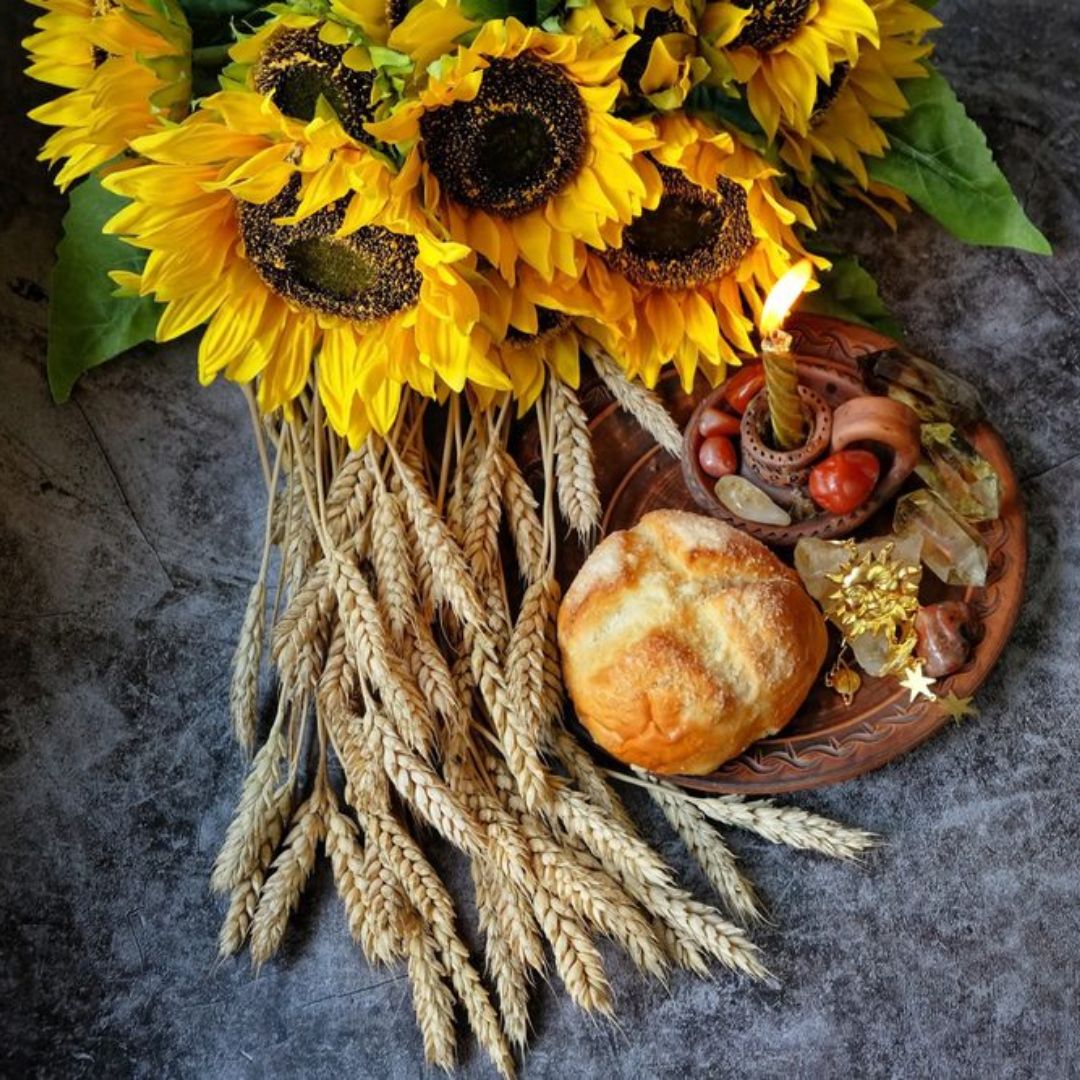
(129, 525)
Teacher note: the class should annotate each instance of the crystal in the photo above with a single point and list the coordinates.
(959, 474)
(750, 503)
(950, 546)
(934, 394)
(820, 562)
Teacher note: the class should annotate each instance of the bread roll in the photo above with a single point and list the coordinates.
(684, 640)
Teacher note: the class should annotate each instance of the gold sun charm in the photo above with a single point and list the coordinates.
(877, 594)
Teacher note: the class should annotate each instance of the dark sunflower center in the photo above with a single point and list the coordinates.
(771, 22)
(548, 323)
(657, 24)
(693, 236)
(828, 92)
(296, 69)
(520, 141)
(366, 276)
(396, 10)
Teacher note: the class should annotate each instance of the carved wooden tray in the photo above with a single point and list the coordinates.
(827, 741)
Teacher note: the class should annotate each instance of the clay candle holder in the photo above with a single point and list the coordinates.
(840, 413)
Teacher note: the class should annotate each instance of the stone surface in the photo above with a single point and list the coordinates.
(959, 474)
(129, 524)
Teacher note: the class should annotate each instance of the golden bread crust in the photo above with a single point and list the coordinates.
(684, 640)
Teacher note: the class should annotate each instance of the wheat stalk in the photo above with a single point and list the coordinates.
(589, 779)
(579, 498)
(339, 681)
(450, 572)
(349, 497)
(786, 825)
(244, 688)
(643, 874)
(302, 634)
(512, 948)
(511, 726)
(422, 788)
(258, 822)
(523, 519)
(715, 858)
(484, 513)
(393, 566)
(289, 874)
(483, 1019)
(642, 404)
(237, 924)
(367, 638)
(593, 896)
(346, 860)
(577, 959)
(433, 1001)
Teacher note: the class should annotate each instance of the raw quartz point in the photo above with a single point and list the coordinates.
(950, 546)
(959, 474)
(935, 395)
(748, 502)
(815, 560)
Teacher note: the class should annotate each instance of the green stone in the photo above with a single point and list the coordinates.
(959, 474)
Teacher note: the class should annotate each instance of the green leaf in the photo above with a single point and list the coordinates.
(212, 21)
(849, 292)
(939, 157)
(732, 110)
(218, 9)
(486, 9)
(88, 324)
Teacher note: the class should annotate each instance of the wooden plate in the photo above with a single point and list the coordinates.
(827, 741)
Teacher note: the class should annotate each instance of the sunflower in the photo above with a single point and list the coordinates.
(782, 50)
(126, 64)
(663, 65)
(269, 250)
(512, 144)
(843, 126)
(691, 274)
(295, 62)
(550, 349)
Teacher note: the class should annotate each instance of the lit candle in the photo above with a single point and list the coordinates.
(781, 376)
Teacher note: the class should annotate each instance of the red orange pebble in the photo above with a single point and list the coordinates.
(717, 456)
(741, 389)
(716, 422)
(844, 480)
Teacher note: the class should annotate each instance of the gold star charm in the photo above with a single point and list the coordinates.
(916, 683)
(956, 708)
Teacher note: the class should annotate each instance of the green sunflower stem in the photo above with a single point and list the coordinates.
(210, 56)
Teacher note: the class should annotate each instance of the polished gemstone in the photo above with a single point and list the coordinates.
(750, 503)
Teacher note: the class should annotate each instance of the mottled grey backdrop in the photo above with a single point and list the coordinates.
(129, 526)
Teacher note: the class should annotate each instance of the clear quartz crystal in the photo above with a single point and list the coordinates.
(750, 503)
(934, 394)
(959, 474)
(951, 548)
(815, 560)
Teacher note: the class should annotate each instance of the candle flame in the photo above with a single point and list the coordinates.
(783, 295)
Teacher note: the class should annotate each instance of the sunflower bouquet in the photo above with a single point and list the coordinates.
(404, 228)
